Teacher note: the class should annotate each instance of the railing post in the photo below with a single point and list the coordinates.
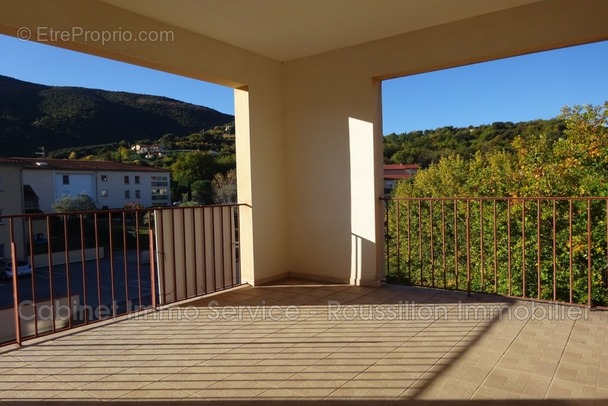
(481, 256)
(431, 242)
(387, 238)
(554, 235)
(589, 271)
(398, 241)
(152, 261)
(523, 248)
(84, 269)
(570, 248)
(538, 253)
(66, 243)
(509, 247)
(15, 285)
(468, 234)
(456, 242)
(30, 230)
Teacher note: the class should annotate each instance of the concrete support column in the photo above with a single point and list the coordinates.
(334, 166)
(261, 183)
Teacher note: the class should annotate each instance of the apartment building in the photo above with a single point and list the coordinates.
(110, 184)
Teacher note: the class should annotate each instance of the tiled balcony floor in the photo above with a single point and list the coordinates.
(329, 344)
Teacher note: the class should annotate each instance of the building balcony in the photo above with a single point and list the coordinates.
(305, 343)
(309, 159)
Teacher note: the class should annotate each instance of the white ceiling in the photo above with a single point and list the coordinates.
(289, 29)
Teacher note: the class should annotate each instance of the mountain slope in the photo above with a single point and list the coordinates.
(33, 115)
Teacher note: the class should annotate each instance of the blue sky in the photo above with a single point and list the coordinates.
(515, 89)
(48, 65)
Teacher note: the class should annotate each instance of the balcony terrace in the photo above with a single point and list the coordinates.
(300, 343)
(307, 83)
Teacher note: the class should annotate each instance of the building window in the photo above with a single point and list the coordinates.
(1, 250)
(104, 178)
(160, 194)
(104, 193)
(127, 194)
(126, 179)
(138, 194)
(136, 180)
(66, 179)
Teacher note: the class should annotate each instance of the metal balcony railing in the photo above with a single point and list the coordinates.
(547, 249)
(68, 269)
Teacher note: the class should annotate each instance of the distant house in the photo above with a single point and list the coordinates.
(396, 172)
(109, 184)
(149, 150)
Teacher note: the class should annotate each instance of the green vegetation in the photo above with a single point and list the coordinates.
(80, 202)
(573, 162)
(33, 115)
(193, 173)
(505, 255)
(429, 146)
(224, 187)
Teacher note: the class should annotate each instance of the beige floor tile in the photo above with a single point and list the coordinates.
(320, 357)
(155, 391)
(280, 395)
(113, 383)
(231, 394)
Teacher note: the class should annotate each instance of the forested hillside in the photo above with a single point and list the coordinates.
(426, 147)
(567, 156)
(33, 115)
(528, 218)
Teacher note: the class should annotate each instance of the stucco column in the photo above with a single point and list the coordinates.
(261, 183)
(334, 165)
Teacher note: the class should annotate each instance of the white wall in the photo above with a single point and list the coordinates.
(77, 183)
(114, 187)
(48, 185)
(43, 183)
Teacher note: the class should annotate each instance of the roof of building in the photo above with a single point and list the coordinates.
(76, 165)
(401, 166)
(398, 176)
(11, 161)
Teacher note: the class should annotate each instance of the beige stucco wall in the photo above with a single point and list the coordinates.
(309, 130)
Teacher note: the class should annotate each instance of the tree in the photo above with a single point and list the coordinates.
(80, 202)
(224, 187)
(555, 238)
(122, 154)
(191, 167)
(167, 141)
